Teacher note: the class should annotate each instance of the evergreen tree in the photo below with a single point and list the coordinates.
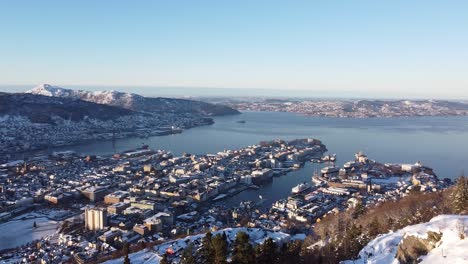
(126, 260)
(125, 248)
(460, 196)
(206, 253)
(125, 251)
(243, 252)
(187, 256)
(220, 247)
(34, 224)
(290, 253)
(266, 253)
(359, 210)
(374, 228)
(258, 254)
(391, 223)
(164, 259)
(354, 242)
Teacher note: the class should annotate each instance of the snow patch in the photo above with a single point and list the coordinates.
(450, 249)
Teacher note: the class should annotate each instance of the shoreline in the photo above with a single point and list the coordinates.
(35, 152)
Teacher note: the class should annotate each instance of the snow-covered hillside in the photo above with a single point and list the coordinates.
(450, 249)
(125, 100)
(256, 235)
(135, 102)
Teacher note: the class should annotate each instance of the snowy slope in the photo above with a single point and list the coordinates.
(114, 98)
(257, 236)
(135, 102)
(383, 249)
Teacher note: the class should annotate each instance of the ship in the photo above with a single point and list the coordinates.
(330, 170)
(300, 188)
(319, 181)
(331, 158)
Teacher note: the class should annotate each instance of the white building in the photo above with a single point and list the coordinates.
(95, 218)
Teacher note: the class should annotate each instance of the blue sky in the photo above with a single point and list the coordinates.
(359, 48)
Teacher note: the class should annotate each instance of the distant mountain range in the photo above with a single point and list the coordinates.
(45, 102)
(136, 102)
(43, 109)
(358, 108)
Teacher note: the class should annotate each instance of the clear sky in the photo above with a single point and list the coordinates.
(375, 48)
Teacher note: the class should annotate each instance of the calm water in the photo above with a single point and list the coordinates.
(438, 142)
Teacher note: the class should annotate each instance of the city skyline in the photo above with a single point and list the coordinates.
(361, 49)
(219, 132)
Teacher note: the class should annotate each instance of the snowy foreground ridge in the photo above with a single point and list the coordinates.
(257, 236)
(450, 249)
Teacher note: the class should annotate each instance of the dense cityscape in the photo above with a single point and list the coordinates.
(233, 132)
(152, 197)
(147, 205)
(356, 109)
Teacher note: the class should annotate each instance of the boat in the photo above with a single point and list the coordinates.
(331, 158)
(330, 170)
(253, 186)
(300, 187)
(241, 121)
(318, 181)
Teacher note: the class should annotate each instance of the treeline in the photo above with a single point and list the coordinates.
(216, 250)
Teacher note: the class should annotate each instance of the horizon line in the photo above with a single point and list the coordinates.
(321, 92)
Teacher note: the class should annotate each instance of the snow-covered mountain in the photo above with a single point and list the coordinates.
(120, 99)
(449, 248)
(135, 102)
(42, 109)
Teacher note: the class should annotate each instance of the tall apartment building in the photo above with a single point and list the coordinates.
(95, 218)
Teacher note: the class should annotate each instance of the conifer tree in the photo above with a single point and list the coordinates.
(206, 252)
(374, 228)
(125, 251)
(243, 252)
(220, 247)
(266, 253)
(390, 223)
(293, 249)
(460, 196)
(354, 241)
(164, 259)
(126, 260)
(359, 210)
(187, 256)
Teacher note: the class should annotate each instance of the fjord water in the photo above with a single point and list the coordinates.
(438, 142)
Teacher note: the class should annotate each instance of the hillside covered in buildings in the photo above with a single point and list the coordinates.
(49, 116)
